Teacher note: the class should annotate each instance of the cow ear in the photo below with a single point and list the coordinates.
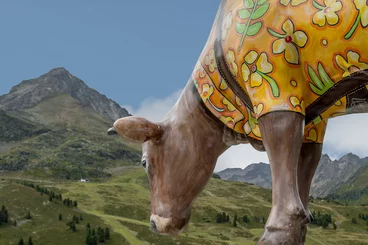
(136, 129)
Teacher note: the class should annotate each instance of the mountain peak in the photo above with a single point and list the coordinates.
(58, 81)
(350, 156)
(325, 157)
(58, 70)
(61, 75)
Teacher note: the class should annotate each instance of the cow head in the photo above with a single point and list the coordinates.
(178, 160)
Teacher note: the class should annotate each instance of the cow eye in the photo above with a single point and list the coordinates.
(144, 163)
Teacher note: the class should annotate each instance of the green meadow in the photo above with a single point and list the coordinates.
(122, 204)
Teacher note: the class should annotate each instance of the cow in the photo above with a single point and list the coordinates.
(271, 74)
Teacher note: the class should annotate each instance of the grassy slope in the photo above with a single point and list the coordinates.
(355, 191)
(13, 129)
(123, 203)
(44, 227)
(76, 147)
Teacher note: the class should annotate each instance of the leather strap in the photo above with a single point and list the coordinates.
(352, 86)
(223, 67)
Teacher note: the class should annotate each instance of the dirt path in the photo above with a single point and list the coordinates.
(315, 241)
(128, 234)
(339, 217)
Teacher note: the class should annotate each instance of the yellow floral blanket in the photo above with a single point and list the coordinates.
(285, 55)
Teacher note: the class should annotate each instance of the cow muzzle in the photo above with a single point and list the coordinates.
(111, 131)
(168, 226)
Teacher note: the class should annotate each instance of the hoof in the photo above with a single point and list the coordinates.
(292, 233)
(304, 228)
(280, 238)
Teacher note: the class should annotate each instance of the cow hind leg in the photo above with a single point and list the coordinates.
(308, 161)
(282, 134)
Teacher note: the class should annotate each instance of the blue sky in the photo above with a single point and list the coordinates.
(128, 50)
(138, 53)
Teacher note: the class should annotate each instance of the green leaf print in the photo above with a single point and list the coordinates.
(260, 11)
(195, 81)
(240, 28)
(254, 29)
(314, 77)
(253, 11)
(248, 4)
(324, 76)
(319, 86)
(317, 120)
(262, 2)
(353, 28)
(244, 14)
(275, 34)
(317, 5)
(274, 87)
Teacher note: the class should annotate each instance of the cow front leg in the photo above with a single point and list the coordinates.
(282, 134)
(308, 161)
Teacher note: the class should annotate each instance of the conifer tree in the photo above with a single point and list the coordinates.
(354, 221)
(4, 215)
(101, 234)
(28, 216)
(94, 240)
(245, 219)
(218, 218)
(234, 221)
(107, 233)
(21, 242)
(73, 227)
(30, 241)
(324, 223)
(89, 236)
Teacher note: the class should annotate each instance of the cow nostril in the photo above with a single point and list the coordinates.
(153, 226)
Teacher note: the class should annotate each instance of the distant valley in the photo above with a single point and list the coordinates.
(333, 179)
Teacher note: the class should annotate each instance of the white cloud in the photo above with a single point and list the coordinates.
(344, 134)
(347, 134)
(240, 156)
(154, 109)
